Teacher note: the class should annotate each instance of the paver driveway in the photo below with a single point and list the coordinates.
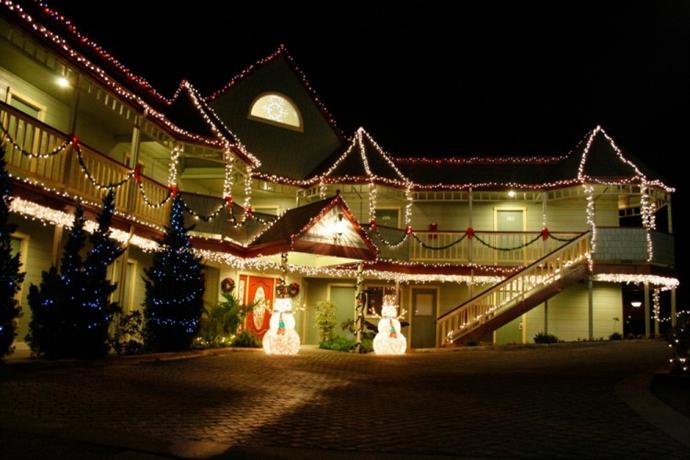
(550, 402)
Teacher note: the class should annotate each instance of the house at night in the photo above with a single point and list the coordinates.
(493, 249)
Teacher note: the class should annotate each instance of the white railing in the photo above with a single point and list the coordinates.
(511, 291)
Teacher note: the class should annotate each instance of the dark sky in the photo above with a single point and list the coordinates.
(440, 78)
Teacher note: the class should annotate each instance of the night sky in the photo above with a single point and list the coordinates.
(439, 78)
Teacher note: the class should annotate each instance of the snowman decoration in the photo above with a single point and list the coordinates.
(281, 337)
(389, 340)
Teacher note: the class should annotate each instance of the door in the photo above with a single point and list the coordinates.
(260, 290)
(510, 220)
(343, 297)
(423, 317)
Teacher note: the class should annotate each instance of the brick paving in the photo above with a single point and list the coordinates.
(555, 402)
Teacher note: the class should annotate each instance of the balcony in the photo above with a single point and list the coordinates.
(55, 165)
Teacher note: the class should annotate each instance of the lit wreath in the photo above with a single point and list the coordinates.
(227, 285)
(293, 289)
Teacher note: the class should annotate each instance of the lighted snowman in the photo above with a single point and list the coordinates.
(389, 340)
(281, 337)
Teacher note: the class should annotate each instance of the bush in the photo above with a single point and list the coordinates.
(325, 320)
(337, 344)
(471, 343)
(616, 336)
(221, 323)
(127, 337)
(545, 338)
(246, 339)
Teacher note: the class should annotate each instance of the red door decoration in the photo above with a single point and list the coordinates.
(258, 319)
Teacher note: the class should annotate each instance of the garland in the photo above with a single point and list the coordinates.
(87, 173)
(520, 246)
(16, 146)
(439, 248)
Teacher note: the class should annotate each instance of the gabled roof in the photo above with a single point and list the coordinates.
(362, 159)
(305, 229)
(595, 158)
(283, 52)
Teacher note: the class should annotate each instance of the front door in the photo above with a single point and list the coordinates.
(260, 290)
(423, 318)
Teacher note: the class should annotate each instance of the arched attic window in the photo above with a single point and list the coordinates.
(276, 109)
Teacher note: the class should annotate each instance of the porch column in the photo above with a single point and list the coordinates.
(470, 243)
(122, 275)
(673, 306)
(57, 239)
(590, 307)
(669, 213)
(71, 130)
(657, 312)
(133, 161)
(647, 329)
(359, 307)
(546, 317)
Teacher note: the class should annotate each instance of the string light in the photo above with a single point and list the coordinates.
(665, 282)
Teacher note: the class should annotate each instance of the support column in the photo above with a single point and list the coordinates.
(669, 213)
(673, 307)
(470, 243)
(590, 307)
(647, 329)
(71, 130)
(57, 240)
(133, 162)
(359, 307)
(657, 312)
(546, 317)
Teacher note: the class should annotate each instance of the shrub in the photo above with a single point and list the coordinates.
(246, 339)
(325, 320)
(616, 336)
(127, 337)
(472, 343)
(338, 344)
(221, 323)
(545, 338)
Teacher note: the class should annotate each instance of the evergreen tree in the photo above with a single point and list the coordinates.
(53, 330)
(71, 310)
(97, 310)
(174, 289)
(10, 278)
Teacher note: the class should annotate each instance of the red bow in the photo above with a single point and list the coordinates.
(470, 232)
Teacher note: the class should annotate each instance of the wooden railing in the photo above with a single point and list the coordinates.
(484, 248)
(63, 171)
(511, 291)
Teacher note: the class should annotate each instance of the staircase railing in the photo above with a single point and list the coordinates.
(511, 291)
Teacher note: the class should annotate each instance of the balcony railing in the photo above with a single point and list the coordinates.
(482, 248)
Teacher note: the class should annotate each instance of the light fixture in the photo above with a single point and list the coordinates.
(62, 82)
(636, 304)
(512, 193)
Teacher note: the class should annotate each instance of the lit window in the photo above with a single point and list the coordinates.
(25, 106)
(276, 109)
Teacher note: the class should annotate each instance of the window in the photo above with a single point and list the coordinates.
(25, 106)
(388, 217)
(276, 109)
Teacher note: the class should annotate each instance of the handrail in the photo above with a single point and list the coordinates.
(499, 298)
(521, 271)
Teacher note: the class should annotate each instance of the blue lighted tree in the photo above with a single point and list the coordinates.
(97, 310)
(10, 277)
(174, 289)
(53, 329)
(71, 309)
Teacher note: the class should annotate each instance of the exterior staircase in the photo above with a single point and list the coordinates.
(516, 294)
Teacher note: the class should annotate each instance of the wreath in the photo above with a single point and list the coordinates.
(293, 289)
(227, 285)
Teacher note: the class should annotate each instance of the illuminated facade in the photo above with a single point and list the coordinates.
(482, 248)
